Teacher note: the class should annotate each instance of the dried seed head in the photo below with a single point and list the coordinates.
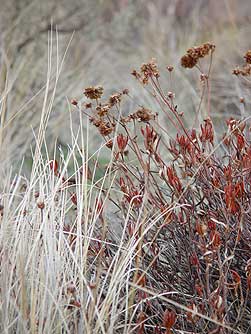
(136, 74)
(188, 61)
(201, 51)
(114, 99)
(95, 121)
(236, 71)
(150, 69)
(103, 110)
(88, 105)
(171, 95)
(143, 115)
(247, 57)
(94, 93)
(105, 129)
(147, 71)
(128, 119)
(243, 71)
(203, 78)
(74, 102)
(109, 143)
(170, 68)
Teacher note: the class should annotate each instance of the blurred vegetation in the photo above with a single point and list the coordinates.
(103, 42)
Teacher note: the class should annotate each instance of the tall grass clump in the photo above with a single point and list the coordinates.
(154, 240)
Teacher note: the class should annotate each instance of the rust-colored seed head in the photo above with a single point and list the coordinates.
(170, 68)
(171, 95)
(88, 105)
(201, 51)
(144, 115)
(114, 99)
(74, 102)
(244, 70)
(236, 71)
(103, 110)
(94, 93)
(95, 121)
(247, 57)
(150, 69)
(109, 143)
(105, 129)
(136, 74)
(188, 61)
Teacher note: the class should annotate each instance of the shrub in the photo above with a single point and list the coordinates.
(186, 207)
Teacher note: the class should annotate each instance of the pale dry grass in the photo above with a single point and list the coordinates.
(42, 273)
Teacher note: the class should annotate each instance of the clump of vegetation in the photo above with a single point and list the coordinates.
(188, 215)
(176, 256)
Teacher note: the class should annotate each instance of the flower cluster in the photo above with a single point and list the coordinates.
(105, 128)
(247, 57)
(244, 70)
(114, 99)
(192, 56)
(101, 116)
(143, 115)
(94, 93)
(147, 71)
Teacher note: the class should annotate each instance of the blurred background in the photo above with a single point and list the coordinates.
(100, 42)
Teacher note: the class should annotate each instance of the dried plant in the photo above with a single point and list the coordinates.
(188, 217)
(157, 238)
